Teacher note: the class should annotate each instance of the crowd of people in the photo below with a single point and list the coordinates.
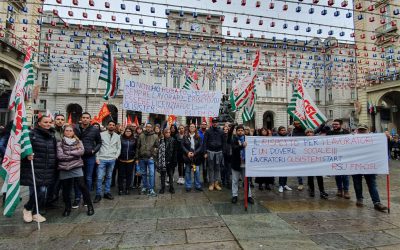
(78, 159)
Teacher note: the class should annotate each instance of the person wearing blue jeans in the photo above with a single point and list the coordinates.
(192, 157)
(146, 151)
(342, 183)
(371, 182)
(91, 139)
(147, 170)
(108, 153)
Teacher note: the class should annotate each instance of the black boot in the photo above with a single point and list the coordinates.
(171, 189)
(67, 212)
(90, 210)
(162, 190)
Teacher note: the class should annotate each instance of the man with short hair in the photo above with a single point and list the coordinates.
(108, 153)
(342, 181)
(213, 141)
(370, 179)
(146, 153)
(238, 163)
(59, 122)
(91, 140)
(202, 131)
(297, 130)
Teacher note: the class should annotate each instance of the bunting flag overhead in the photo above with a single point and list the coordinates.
(19, 145)
(108, 73)
(242, 89)
(302, 108)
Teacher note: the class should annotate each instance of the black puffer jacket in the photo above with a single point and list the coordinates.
(198, 150)
(179, 150)
(213, 139)
(90, 138)
(236, 148)
(128, 148)
(44, 147)
(338, 132)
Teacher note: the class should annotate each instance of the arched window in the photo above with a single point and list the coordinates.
(75, 111)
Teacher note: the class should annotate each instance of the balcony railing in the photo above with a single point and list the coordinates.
(386, 28)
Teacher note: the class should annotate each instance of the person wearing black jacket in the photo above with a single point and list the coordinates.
(213, 140)
(193, 157)
(167, 159)
(342, 181)
(126, 161)
(44, 159)
(298, 130)
(238, 163)
(91, 139)
(227, 153)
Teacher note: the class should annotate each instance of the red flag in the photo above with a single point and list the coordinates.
(135, 121)
(129, 121)
(103, 113)
(70, 119)
(171, 120)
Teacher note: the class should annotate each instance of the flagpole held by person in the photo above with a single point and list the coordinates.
(30, 158)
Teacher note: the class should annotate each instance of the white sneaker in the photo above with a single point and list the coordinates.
(38, 218)
(27, 215)
(280, 189)
(287, 188)
(179, 180)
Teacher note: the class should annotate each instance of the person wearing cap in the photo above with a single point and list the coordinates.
(213, 141)
(370, 179)
(342, 181)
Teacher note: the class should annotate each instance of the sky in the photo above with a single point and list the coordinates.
(290, 17)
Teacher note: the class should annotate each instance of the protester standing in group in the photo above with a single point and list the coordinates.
(126, 161)
(370, 179)
(342, 181)
(268, 181)
(167, 159)
(193, 157)
(227, 154)
(213, 140)
(298, 130)
(105, 158)
(91, 139)
(179, 155)
(202, 132)
(310, 179)
(44, 162)
(283, 180)
(238, 163)
(146, 153)
(69, 152)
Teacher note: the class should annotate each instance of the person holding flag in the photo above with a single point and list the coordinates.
(44, 159)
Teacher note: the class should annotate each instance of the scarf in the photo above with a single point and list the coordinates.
(69, 141)
(243, 150)
(161, 166)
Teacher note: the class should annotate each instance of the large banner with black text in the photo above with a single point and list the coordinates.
(170, 101)
(316, 155)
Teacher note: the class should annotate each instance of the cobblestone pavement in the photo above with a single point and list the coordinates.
(208, 220)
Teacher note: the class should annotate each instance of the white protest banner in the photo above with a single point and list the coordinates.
(316, 155)
(162, 100)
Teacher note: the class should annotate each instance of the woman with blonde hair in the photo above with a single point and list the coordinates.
(70, 163)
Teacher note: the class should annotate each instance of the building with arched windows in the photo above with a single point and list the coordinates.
(71, 54)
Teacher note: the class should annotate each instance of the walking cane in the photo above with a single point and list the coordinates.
(35, 191)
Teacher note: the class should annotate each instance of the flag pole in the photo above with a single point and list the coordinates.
(35, 191)
(388, 191)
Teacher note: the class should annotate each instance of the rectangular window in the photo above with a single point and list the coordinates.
(160, 51)
(176, 82)
(178, 51)
(178, 25)
(353, 94)
(267, 58)
(212, 86)
(317, 98)
(42, 104)
(330, 98)
(228, 87)
(75, 79)
(47, 53)
(212, 53)
(268, 89)
(249, 56)
(45, 81)
(330, 114)
(229, 56)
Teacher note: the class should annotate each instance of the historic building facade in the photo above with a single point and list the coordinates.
(70, 59)
(18, 30)
(377, 38)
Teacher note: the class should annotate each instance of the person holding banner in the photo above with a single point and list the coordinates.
(320, 180)
(44, 159)
(238, 163)
(370, 179)
(193, 157)
(283, 180)
(342, 181)
(298, 130)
